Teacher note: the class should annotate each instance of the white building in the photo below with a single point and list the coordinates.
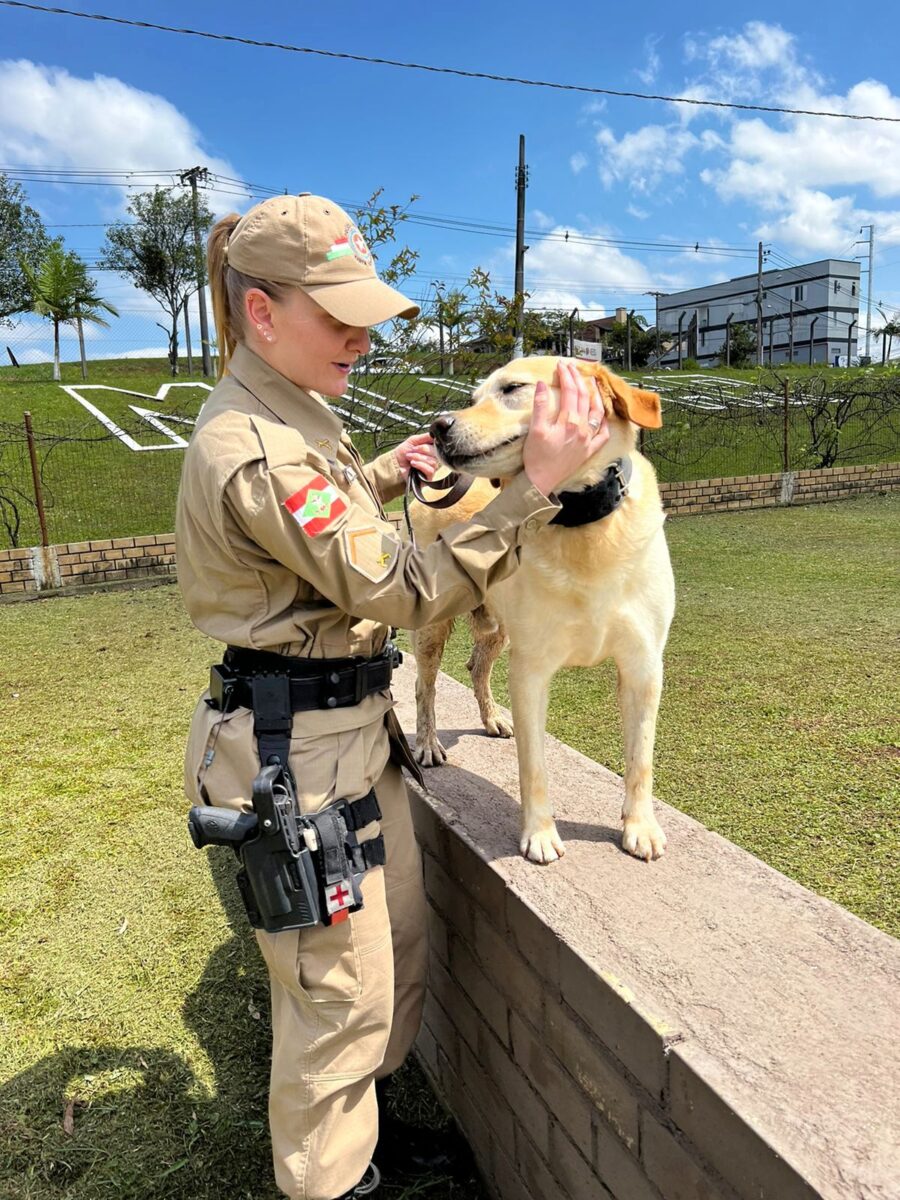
(810, 313)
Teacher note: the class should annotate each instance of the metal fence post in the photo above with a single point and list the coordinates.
(36, 479)
(785, 454)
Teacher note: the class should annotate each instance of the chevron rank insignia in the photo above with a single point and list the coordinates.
(316, 506)
(371, 551)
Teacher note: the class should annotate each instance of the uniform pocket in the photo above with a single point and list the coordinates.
(220, 761)
(335, 964)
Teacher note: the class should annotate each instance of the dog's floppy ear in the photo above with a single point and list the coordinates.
(629, 403)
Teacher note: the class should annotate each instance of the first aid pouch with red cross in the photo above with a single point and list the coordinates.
(296, 869)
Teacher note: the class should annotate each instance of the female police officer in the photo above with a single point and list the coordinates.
(284, 554)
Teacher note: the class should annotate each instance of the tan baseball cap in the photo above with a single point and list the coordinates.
(311, 243)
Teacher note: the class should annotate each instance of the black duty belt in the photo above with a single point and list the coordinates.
(312, 682)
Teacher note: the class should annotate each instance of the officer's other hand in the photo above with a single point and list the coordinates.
(559, 443)
(417, 452)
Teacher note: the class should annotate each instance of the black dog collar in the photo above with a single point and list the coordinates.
(596, 501)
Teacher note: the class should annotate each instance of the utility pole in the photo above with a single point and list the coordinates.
(629, 318)
(572, 316)
(759, 320)
(192, 176)
(187, 335)
(871, 243)
(656, 296)
(521, 185)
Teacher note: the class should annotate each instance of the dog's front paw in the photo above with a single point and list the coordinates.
(429, 752)
(543, 844)
(643, 837)
(497, 726)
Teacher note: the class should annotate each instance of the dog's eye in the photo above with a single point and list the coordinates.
(509, 388)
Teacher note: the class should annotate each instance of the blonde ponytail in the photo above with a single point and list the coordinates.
(228, 287)
(217, 265)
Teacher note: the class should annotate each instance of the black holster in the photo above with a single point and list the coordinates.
(296, 869)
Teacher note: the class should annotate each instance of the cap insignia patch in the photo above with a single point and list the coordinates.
(316, 506)
(353, 243)
(338, 249)
(371, 551)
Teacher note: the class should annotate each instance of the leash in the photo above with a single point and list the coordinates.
(453, 484)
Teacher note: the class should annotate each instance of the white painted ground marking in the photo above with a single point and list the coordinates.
(378, 396)
(155, 419)
(453, 387)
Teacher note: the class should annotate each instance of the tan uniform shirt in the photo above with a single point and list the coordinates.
(282, 544)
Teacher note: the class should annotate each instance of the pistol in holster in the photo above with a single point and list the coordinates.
(296, 869)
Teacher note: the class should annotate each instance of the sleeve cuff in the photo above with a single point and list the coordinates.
(521, 505)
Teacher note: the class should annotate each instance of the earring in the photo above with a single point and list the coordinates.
(259, 327)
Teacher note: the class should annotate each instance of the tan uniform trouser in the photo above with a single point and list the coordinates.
(346, 999)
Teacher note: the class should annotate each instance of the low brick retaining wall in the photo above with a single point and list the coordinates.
(766, 491)
(53, 568)
(77, 564)
(699, 1028)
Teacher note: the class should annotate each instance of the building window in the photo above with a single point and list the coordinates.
(852, 289)
(702, 337)
(799, 292)
(837, 286)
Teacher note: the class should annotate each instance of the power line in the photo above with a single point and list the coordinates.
(410, 66)
(429, 220)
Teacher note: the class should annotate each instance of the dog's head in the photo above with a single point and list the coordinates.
(487, 438)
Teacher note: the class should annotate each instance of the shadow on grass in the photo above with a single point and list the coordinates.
(145, 1126)
(155, 1131)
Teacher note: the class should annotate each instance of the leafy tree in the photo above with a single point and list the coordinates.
(62, 291)
(887, 333)
(643, 344)
(156, 251)
(22, 238)
(742, 342)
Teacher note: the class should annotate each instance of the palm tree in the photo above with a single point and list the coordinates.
(63, 291)
(889, 330)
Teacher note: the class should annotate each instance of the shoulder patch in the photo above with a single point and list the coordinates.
(371, 551)
(316, 506)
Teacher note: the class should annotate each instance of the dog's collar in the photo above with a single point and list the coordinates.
(596, 501)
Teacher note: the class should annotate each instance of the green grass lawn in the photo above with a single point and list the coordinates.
(131, 993)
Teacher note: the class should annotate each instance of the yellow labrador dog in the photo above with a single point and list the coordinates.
(589, 588)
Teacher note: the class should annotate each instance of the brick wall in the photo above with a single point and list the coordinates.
(35, 570)
(764, 491)
(558, 1079)
(604, 1029)
(75, 564)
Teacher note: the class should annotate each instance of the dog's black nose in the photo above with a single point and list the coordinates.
(442, 424)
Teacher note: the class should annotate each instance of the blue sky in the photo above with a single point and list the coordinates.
(87, 96)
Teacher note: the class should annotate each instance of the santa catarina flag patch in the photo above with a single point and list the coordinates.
(316, 506)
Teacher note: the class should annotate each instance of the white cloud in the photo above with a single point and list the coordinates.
(758, 46)
(645, 157)
(578, 162)
(805, 177)
(648, 73)
(639, 214)
(50, 118)
(541, 219)
(573, 274)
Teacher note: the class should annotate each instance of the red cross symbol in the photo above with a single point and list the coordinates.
(338, 897)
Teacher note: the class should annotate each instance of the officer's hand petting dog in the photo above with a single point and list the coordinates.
(286, 556)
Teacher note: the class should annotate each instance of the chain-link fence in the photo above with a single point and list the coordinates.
(119, 477)
(140, 331)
